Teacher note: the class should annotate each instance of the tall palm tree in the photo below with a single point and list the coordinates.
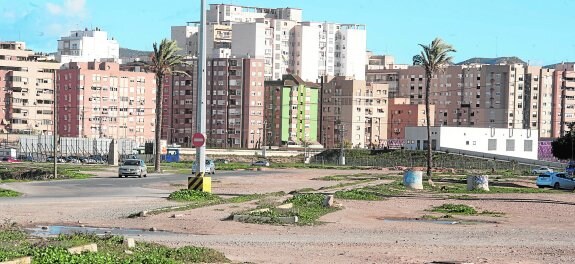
(164, 59)
(433, 58)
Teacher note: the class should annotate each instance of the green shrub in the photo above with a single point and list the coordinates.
(357, 194)
(455, 209)
(193, 196)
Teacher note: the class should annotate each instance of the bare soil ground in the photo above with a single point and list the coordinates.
(536, 228)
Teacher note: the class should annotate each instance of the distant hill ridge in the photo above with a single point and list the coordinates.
(493, 61)
(131, 53)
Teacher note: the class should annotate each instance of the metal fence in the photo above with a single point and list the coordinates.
(42, 146)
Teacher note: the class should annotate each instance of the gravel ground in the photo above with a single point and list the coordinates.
(535, 228)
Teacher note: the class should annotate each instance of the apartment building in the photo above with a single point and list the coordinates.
(329, 49)
(563, 105)
(87, 45)
(479, 95)
(292, 113)
(403, 114)
(234, 103)
(28, 82)
(98, 100)
(355, 113)
(278, 36)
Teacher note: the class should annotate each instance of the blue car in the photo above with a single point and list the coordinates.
(557, 180)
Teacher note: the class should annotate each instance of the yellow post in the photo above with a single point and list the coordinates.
(200, 183)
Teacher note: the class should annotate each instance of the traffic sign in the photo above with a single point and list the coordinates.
(198, 140)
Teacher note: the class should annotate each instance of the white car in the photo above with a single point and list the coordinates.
(541, 170)
(210, 167)
(133, 167)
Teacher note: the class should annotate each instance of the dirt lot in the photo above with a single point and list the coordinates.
(535, 228)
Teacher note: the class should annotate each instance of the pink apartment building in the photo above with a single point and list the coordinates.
(403, 114)
(98, 100)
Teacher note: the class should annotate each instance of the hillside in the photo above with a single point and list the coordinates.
(493, 61)
(130, 53)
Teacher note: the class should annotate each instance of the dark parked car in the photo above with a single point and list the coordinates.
(221, 161)
(263, 163)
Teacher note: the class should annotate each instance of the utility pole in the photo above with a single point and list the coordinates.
(264, 138)
(201, 107)
(341, 153)
(55, 145)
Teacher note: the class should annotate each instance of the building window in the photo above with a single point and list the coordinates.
(510, 145)
(492, 144)
(528, 145)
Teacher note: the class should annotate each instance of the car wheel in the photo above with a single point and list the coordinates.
(120, 176)
(140, 176)
(556, 186)
(145, 175)
(213, 172)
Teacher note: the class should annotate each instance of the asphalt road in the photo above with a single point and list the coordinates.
(111, 186)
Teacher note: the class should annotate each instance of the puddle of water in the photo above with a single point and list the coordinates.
(441, 222)
(57, 230)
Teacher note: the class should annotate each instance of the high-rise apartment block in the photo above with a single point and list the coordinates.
(354, 112)
(87, 45)
(234, 103)
(279, 37)
(513, 95)
(99, 100)
(292, 112)
(28, 82)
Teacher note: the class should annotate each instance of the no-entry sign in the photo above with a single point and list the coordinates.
(198, 140)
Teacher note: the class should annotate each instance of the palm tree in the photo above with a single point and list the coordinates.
(164, 60)
(433, 58)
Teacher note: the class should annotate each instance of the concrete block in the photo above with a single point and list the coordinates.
(328, 201)
(285, 207)
(129, 242)
(24, 260)
(84, 248)
(260, 210)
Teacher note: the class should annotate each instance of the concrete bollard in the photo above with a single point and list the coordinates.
(478, 182)
(129, 243)
(413, 180)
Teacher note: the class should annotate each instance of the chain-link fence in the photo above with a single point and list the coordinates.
(440, 161)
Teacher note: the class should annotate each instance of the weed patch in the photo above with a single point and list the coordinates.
(193, 196)
(110, 250)
(8, 193)
(455, 209)
(358, 194)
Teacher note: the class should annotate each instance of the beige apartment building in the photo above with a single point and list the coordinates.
(563, 111)
(402, 114)
(479, 95)
(355, 113)
(27, 80)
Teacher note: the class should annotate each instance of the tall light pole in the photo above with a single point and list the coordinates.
(201, 105)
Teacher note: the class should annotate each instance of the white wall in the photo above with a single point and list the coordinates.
(307, 52)
(477, 140)
(182, 35)
(353, 58)
(248, 40)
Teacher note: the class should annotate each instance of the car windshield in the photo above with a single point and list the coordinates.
(132, 162)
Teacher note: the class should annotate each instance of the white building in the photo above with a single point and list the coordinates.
(87, 45)
(287, 45)
(187, 39)
(231, 14)
(329, 49)
(501, 143)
